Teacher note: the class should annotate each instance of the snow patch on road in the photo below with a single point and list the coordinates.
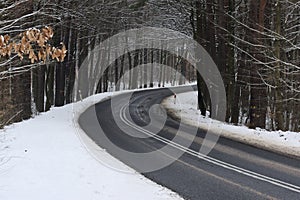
(185, 108)
(43, 158)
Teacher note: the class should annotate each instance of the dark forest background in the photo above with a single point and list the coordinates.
(255, 44)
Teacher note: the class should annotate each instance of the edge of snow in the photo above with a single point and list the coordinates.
(275, 141)
(66, 164)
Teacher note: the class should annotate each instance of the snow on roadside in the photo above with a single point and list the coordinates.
(43, 158)
(278, 141)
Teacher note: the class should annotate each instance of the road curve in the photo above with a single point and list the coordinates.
(232, 170)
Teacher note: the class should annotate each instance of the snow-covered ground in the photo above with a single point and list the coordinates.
(46, 158)
(278, 141)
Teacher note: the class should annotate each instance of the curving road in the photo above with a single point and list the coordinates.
(232, 170)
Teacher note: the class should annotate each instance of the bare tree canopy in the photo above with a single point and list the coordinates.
(255, 44)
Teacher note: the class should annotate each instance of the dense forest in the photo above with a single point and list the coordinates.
(255, 44)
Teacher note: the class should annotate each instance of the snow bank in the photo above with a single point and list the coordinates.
(281, 142)
(48, 158)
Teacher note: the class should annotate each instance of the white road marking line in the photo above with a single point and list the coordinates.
(209, 159)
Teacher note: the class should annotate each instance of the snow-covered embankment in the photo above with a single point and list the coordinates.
(47, 158)
(287, 143)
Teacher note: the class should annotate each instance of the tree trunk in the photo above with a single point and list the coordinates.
(39, 88)
(279, 119)
(258, 93)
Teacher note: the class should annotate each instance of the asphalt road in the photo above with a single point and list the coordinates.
(232, 170)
